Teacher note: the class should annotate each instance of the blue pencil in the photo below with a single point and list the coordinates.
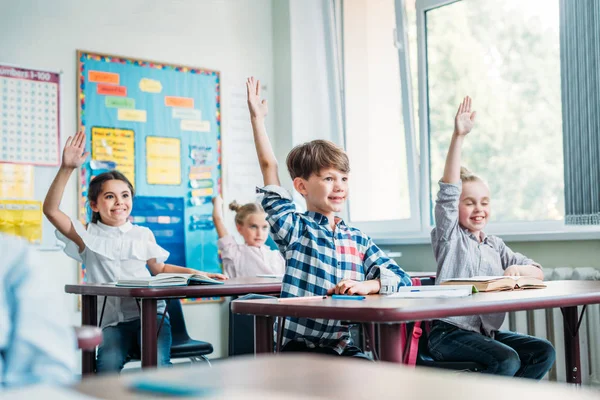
(346, 297)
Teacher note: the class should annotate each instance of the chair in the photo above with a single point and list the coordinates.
(183, 346)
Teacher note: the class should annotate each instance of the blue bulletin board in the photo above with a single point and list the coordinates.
(159, 124)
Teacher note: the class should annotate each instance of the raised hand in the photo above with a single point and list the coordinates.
(74, 154)
(217, 206)
(465, 119)
(258, 108)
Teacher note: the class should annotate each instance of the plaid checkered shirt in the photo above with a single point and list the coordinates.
(317, 258)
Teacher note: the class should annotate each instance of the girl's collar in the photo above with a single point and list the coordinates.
(126, 227)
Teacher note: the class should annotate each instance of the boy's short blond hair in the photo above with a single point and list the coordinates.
(312, 157)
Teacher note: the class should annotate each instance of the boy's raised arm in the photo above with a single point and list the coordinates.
(463, 123)
(264, 150)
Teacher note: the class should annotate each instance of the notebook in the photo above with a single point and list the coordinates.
(498, 283)
(169, 279)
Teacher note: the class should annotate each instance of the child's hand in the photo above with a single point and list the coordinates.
(217, 206)
(348, 286)
(213, 275)
(209, 274)
(74, 154)
(465, 119)
(513, 270)
(258, 108)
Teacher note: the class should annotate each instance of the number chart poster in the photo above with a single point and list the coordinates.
(29, 120)
(159, 125)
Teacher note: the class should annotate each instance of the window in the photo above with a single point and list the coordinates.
(377, 131)
(505, 54)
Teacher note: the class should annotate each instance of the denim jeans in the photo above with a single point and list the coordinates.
(508, 353)
(121, 343)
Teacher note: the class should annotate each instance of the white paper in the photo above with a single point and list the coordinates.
(412, 292)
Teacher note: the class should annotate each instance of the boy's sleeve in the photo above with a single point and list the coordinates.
(509, 257)
(446, 211)
(286, 223)
(379, 265)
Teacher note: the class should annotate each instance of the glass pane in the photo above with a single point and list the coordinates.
(374, 129)
(505, 55)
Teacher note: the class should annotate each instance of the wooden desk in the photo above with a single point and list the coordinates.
(292, 376)
(148, 298)
(390, 313)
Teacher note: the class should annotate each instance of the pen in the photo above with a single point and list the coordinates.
(292, 299)
(346, 297)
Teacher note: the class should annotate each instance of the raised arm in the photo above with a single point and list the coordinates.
(74, 156)
(218, 216)
(264, 150)
(463, 123)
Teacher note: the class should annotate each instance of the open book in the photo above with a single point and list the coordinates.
(162, 280)
(498, 283)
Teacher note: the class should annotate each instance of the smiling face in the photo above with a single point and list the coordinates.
(474, 208)
(113, 203)
(254, 229)
(325, 192)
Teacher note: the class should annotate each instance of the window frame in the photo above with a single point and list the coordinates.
(412, 225)
(416, 230)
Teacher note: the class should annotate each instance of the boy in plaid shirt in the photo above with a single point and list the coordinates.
(323, 254)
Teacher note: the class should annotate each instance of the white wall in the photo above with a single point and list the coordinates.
(231, 36)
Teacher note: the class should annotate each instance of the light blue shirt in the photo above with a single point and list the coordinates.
(37, 342)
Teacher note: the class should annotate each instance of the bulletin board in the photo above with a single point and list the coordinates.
(160, 125)
(29, 150)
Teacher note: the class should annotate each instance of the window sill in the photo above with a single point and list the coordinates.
(562, 233)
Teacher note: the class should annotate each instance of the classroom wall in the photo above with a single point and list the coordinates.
(232, 36)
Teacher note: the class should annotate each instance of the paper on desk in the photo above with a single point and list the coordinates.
(276, 276)
(411, 292)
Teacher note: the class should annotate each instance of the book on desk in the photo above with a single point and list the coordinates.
(498, 283)
(169, 279)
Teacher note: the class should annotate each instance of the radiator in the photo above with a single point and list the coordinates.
(548, 324)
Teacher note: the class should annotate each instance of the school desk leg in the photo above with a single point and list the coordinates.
(89, 316)
(263, 334)
(149, 340)
(572, 358)
(390, 343)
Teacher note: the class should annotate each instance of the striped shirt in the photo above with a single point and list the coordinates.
(460, 255)
(317, 258)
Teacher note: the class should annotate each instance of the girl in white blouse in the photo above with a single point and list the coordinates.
(253, 257)
(111, 248)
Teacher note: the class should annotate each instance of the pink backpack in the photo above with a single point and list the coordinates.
(411, 345)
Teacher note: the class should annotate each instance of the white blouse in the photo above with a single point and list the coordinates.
(244, 260)
(112, 253)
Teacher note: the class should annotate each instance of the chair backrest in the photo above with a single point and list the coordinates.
(178, 330)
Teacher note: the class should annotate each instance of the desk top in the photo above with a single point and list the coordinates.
(317, 377)
(377, 308)
(232, 287)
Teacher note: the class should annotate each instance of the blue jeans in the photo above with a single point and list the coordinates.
(508, 353)
(121, 343)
